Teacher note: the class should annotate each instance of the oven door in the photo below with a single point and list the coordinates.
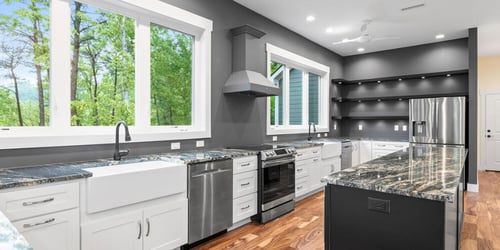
(278, 182)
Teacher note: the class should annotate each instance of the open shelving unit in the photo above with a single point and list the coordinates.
(387, 98)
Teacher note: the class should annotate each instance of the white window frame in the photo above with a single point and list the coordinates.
(60, 132)
(292, 60)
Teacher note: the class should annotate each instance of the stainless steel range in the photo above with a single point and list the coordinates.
(276, 181)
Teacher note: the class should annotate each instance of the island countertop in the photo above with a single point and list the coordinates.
(422, 171)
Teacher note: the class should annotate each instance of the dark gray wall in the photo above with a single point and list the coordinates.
(236, 120)
(435, 57)
(472, 171)
(374, 129)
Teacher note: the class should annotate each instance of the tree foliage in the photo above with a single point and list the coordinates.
(102, 68)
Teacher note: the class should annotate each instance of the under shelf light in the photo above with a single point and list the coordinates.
(423, 77)
(379, 81)
(400, 79)
(359, 83)
(378, 100)
(448, 75)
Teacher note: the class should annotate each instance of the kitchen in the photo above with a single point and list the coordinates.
(242, 120)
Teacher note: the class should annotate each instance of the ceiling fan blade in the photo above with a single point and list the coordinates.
(347, 40)
(385, 38)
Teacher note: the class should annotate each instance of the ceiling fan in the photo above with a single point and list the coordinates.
(365, 37)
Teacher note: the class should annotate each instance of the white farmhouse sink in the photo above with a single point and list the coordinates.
(124, 184)
(330, 149)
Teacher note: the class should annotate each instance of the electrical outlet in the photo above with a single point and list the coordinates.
(334, 126)
(200, 143)
(396, 127)
(175, 145)
(325, 134)
(275, 138)
(318, 135)
(405, 127)
(360, 127)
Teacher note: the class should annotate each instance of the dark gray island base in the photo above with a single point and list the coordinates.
(411, 199)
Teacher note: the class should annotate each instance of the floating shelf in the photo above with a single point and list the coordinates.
(341, 81)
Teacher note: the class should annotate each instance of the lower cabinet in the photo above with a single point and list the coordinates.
(245, 181)
(244, 207)
(330, 166)
(308, 170)
(57, 231)
(159, 227)
(365, 151)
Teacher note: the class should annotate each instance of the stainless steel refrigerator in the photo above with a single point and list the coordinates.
(437, 120)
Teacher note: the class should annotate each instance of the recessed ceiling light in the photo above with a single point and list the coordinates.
(359, 100)
(448, 75)
(340, 82)
(378, 100)
(439, 36)
(361, 49)
(400, 79)
(310, 18)
(379, 81)
(423, 77)
(359, 83)
(400, 99)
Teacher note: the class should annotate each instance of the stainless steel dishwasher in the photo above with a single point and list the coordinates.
(210, 198)
(346, 155)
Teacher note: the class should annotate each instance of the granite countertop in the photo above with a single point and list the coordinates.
(298, 144)
(422, 171)
(10, 238)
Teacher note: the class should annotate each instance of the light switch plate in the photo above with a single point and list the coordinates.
(360, 127)
(405, 128)
(200, 143)
(275, 138)
(175, 145)
(396, 127)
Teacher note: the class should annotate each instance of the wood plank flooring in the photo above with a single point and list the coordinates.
(303, 228)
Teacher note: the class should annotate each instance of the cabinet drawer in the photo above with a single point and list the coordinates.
(301, 169)
(307, 153)
(301, 186)
(56, 231)
(244, 207)
(244, 164)
(39, 200)
(244, 183)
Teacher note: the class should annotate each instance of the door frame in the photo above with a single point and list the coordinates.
(483, 94)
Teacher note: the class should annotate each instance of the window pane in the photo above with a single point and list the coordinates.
(314, 98)
(295, 97)
(277, 106)
(24, 63)
(171, 77)
(102, 67)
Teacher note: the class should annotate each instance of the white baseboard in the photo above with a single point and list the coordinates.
(472, 188)
(239, 224)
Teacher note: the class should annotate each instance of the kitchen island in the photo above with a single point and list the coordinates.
(410, 199)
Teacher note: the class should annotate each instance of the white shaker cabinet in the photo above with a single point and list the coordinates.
(159, 227)
(355, 152)
(46, 215)
(365, 151)
(245, 181)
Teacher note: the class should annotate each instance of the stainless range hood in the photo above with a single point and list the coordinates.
(244, 79)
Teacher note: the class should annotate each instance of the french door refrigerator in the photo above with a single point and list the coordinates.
(437, 120)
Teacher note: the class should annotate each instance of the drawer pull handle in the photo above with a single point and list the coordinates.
(315, 152)
(299, 169)
(149, 227)
(299, 155)
(246, 164)
(140, 230)
(299, 187)
(247, 207)
(315, 160)
(39, 223)
(31, 203)
(245, 184)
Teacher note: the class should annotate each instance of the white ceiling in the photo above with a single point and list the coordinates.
(417, 26)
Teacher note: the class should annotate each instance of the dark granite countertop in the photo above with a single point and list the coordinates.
(10, 238)
(422, 171)
(35, 175)
(298, 144)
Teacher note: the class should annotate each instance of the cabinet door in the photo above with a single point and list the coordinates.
(365, 151)
(315, 173)
(165, 226)
(121, 232)
(355, 153)
(57, 231)
(244, 184)
(330, 166)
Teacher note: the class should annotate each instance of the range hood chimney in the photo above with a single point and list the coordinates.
(244, 80)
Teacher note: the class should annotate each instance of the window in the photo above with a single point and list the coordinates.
(305, 93)
(103, 61)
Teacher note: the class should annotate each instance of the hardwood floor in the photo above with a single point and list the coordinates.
(303, 228)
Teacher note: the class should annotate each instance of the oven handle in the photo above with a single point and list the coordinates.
(272, 163)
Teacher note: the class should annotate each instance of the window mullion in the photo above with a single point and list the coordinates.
(60, 65)
(305, 98)
(286, 92)
(143, 73)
